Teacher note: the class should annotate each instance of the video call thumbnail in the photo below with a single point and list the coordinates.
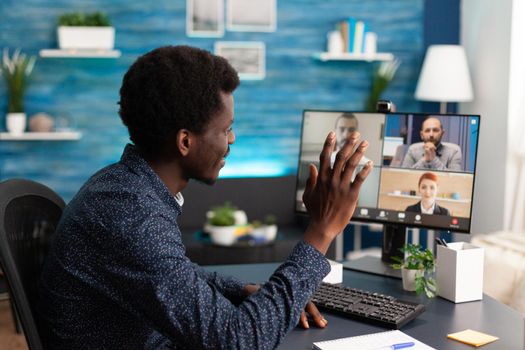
(423, 164)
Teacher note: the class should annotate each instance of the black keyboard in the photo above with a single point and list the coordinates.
(379, 309)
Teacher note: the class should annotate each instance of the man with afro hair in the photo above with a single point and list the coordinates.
(117, 276)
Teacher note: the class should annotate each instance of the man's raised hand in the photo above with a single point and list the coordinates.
(330, 195)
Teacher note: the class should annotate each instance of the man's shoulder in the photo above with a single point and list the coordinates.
(451, 146)
(415, 146)
(114, 186)
(114, 178)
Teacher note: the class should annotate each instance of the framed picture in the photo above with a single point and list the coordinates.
(205, 18)
(252, 15)
(248, 58)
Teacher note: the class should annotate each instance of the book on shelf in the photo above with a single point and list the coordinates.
(359, 37)
(353, 33)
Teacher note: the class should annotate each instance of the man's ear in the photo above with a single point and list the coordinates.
(184, 140)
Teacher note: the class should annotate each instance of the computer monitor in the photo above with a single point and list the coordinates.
(423, 174)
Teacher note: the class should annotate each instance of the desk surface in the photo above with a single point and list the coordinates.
(440, 318)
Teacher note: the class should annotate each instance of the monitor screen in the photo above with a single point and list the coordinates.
(424, 165)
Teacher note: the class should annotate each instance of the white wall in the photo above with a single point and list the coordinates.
(490, 33)
(485, 34)
(515, 218)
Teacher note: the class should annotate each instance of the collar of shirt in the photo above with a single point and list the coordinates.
(179, 198)
(429, 211)
(134, 161)
(439, 147)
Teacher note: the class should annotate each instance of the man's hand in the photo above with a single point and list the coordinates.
(310, 309)
(330, 195)
(249, 289)
(314, 313)
(430, 151)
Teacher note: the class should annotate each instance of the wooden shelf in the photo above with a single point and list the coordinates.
(437, 198)
(74, 53)
(42, 136)
(348, 56)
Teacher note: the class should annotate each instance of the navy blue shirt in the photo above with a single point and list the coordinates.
(117, 276)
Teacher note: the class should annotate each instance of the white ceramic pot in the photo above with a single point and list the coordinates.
(222, 235)
(270, 232)
(335, 42)
(409, 279)
(265, 233)
(16, 123)
(102, 38)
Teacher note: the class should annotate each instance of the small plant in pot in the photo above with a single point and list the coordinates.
(226, 224)
(265, 231)
(16, 71)
(85, 31)
(417, 269)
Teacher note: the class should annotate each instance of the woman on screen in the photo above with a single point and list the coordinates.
(428, 189)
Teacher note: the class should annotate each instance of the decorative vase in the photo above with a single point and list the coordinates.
(41, 122)
(409, 278)
(335, 42)
(16, 123)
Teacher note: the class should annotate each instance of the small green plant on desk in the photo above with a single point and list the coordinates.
(223, 215)
(226, 224)
(420, 264)
(265, 231)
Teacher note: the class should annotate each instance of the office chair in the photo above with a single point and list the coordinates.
(29, 214)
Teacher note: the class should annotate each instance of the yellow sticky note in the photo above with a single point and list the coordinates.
(472, 337)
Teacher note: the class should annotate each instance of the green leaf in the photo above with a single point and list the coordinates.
(95, 19)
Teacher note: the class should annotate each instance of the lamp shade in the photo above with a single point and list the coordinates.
(445, 76)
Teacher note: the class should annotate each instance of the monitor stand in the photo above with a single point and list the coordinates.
(394, 237)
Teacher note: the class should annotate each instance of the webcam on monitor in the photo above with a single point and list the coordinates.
(385, 106)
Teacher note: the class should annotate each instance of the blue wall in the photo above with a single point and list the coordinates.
(268, 112)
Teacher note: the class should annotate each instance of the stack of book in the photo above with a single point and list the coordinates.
(354, 33)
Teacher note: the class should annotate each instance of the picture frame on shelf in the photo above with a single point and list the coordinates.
(247, 57)
(205, 18)
(251, 15)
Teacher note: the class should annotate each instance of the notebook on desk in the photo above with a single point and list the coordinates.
(374, 341)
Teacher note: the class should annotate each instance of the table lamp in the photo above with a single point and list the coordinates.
(445, 76)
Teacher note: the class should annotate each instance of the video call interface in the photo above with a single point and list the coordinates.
(424, 165)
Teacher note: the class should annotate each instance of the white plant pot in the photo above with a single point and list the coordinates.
(270, 232)
(222, 235)
(266, 233)
(102, 38)
(409, 279)
(16, 123)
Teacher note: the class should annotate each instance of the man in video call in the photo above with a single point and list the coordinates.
(432, 153)
(117, 276)
(345, 125)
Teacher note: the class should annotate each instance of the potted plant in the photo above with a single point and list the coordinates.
(78, 30)
(16, 71)
(226, 224)
(382, 77)
(265, 231)
(417, 269)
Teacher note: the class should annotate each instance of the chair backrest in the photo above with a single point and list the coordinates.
(29, 214)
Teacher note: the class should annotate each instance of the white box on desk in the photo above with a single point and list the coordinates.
(459, 272)
(336, 273)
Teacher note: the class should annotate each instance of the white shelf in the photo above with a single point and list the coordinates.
(348, 56)
(42, 136)
(437, 198)
(76, 53)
